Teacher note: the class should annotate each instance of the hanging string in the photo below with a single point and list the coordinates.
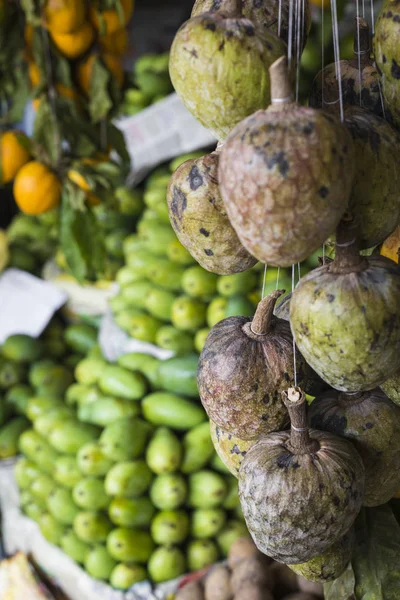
(294, 343)
(363, 8)
(280, 17)
(372, 17)
(277, 278)
(264, 280)
(322, 51)
(359, 49)
(323, 253)
(336, 49)
(290, 36)
(382, 101)
(299, 11)
(298, 271)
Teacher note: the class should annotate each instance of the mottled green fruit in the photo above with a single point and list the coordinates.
(179, 375)
(44, 423)
(57, 381)
(17, 398)
(126, 512)
(130, 545)
(170, 338)
(188, 313)
(90, 493)
(135, 293)
(201, 553)
(239, 283)
(207, 522)
(89, 370)
(37, 449)
(66, 471)
(61, 505)
(164, 452)
(169, 491)
(128, 479)
(169, 410)
(39, 405)
(74, 547)
(92, 461)
(239, 306)
(371, 422)
(166, 563)
(144, 328)
(117, 381)
(206, 489)
(34, 511)
(125, 575)
(92, 527)
(51, 528)
(42, 486)
(232, 531)
(197, 448)
(126, 318)
(200, 339)
(125, 439)
(166, 274)
(157, 238)
(22, 348)
(198, 283)
(391, 387)
(159, 303)
(74, 393)
(216, 311)
(347, 324)
(38, 371)
(69, 436)
(10, 435)
(25, 473)
(80, 338)
(218, 90)
(104, 411)
(98, 563)
(124, 277)
(387, 56)
(11, 374)
(178, 253)
(170, 527)
(146, 364)
(199, 218)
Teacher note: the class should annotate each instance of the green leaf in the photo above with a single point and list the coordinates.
(63, 70)
(20, 95)
(342, 588)
(117, 141)
(29, 8)
(47, 131)
(100, 100)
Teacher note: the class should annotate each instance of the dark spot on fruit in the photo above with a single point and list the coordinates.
(389, 14)
(216, 5)
(384, 58)
(210, 26)
(229, 34)
(249, 30)
(279, 160)
(235, 450)
(209, 252)
(334, 423)
(204, 231)
(330, 297)
(368, 425)
(221, 46)
(363, 309)
(336, 501)
(396, 18)
(195, 179)
(395, 70)
(258, 3)
(287, 461)
(309, 128)
(178, 205)
(193, 52)
(323, 191)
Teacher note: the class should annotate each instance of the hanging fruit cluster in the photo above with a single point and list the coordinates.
(284, 180)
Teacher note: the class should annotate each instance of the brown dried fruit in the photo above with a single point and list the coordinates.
(253, 569)
(241, 548)
(243, 368)
(230, 448)
(251, 591)
(191, 591)
(198, 216)
(310, 587)
(285, 580)
(285, 176)
(301, 490)
(217, 585)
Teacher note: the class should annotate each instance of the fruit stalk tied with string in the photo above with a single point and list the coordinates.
(300, 490)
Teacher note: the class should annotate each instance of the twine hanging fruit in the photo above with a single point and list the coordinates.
(372, 422)
(359, 79)
(243, 368)
(219, 66)
(285, 176)
(345, 317)
(300, 490)
(199, 218)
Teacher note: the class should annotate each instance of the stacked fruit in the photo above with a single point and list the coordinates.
(123, 474)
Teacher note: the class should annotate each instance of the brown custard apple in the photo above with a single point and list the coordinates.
(198, 216)
(360, 80)
(285, 176)
(230, 448)
(387, 57)
(219, 67)
(330, 564)
(300, 490)
(345, 317)
(243, 369)
(375, 196)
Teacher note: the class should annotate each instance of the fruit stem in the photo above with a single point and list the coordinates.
(347, 258)
(231, 8)
(350, 398)
(281, 87)
(361, 43)
(262, 319)
(300, 440)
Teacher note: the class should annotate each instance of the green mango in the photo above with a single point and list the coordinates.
(117, 381)
(71, 361)
(129, 479)
(153, 84)
(238, 283)
(179, 375)
(164, 452)
(55, 347)
(131, 513)
(42, 486)
(33, 511)
(170, 527)
(179, 160)
(231, 531)
(166, 563)
(140, 261)
(130, 245)
(57, 382)
(38, 371)
(127, 318)
(45, 422)
(157, 238)
(35, 447)
(113, 243)
(66, 471)
(90, 395)
(156, 194)
(95, 352)
(22, 348)
(92, 461)
(25, 473)
(159, 303)
(178, 253)
(200, 339)
(135, 293)
(198, 448)
(74, 393)
(22, 259)
(216, 311)
(89, 370)
(98, 563)
(38, 406)
(11, 374)
(107, 410)
(125, 575)
(239, 306)
(232, 497)
(92, 527)
(51, 528)
(26, 497)
(81, 337)
(206, 489)
(166, 274)
(10, 435)
(201, 554)
(217, 465)
(188, 314)
(74, 547)
(161, 210)
(146, 364)
(198, 283)
(90, 493)
(117, 304)
(207, 522)
(130, 201)
(130, 545)
(69, 436)
(124, 277)
(170, 410)
(17, 398)
(168, 491)
(170, 338)
(61, 505)
(144, 328)
(125, 439)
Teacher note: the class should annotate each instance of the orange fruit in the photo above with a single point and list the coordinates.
(13, 155)
(81, 182)
(115, 43)
(64, 16)
(62, 90)
(36, 189)
(28, 35)
(92, 199)
(85, 68)
(34, 74)
(109, 22)
(76, 43)
(391, 246)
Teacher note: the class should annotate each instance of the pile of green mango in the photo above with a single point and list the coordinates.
(149, 83)
(165, 297)
(121, 472)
